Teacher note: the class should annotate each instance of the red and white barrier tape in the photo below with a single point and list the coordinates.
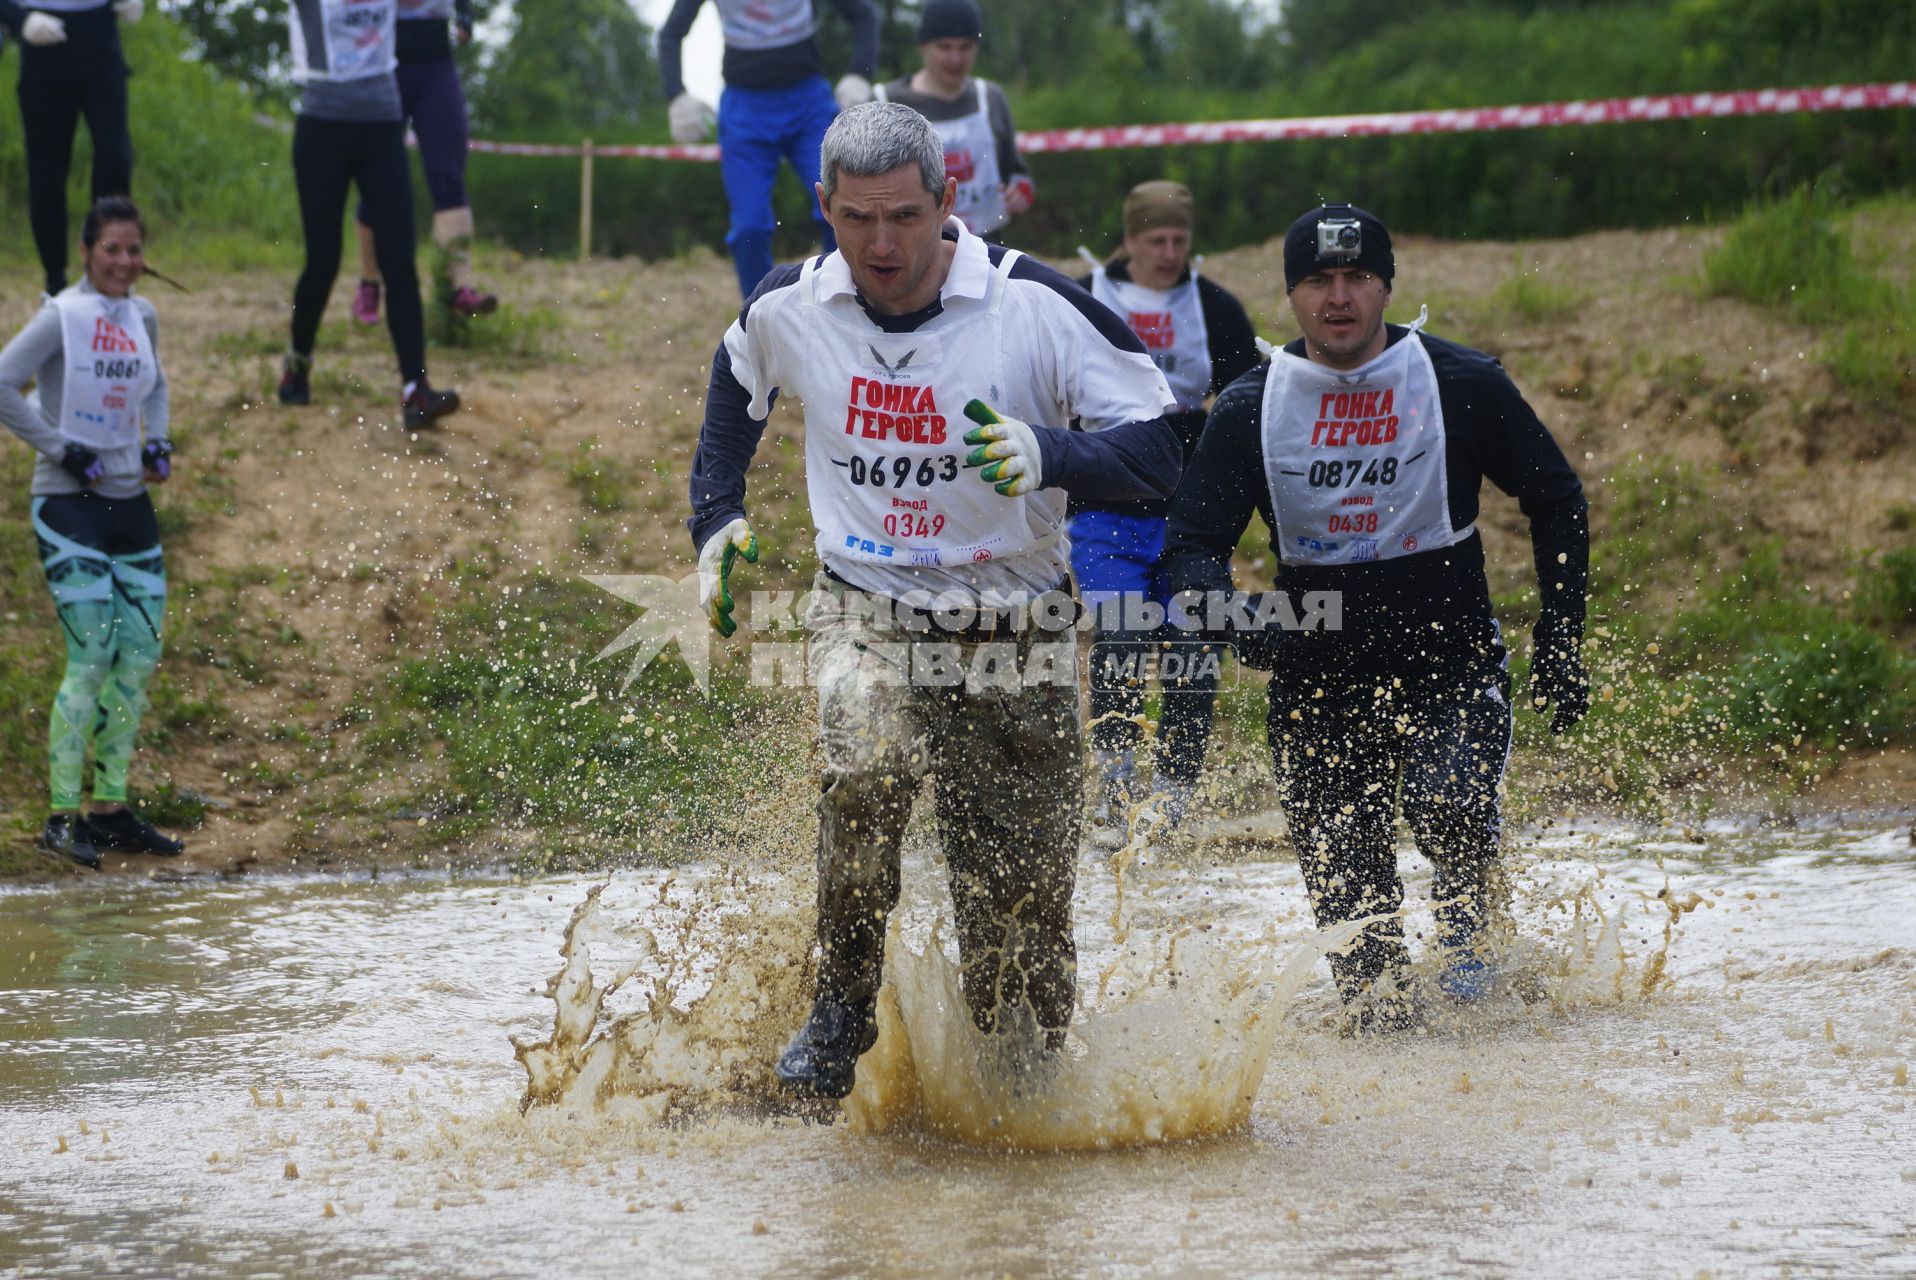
(1668, 106)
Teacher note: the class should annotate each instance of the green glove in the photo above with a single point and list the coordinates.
(715, 571)
(1007, 450)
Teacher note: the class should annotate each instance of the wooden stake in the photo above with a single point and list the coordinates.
(585, 200)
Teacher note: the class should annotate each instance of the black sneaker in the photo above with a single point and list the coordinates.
(823, 1057)
(66, 834)
(123, 830)
(425, 406)
(295, 380)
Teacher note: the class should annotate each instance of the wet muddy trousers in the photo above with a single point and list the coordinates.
(103, 564)
(1007, 770)
(1343, 744)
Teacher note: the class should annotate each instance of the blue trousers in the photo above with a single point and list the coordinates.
(756, 129)
(1113, 556)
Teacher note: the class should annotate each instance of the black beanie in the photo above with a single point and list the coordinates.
(1372, 251)
(950, 20)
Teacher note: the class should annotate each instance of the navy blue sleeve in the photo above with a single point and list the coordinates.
(11, 16)
(1137, 460)
(729, 435)
(864, 20)
(672, 34)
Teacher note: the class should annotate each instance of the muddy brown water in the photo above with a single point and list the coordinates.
(305, 1077)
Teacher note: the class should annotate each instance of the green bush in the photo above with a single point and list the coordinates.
(1791, 255)
(1840, 684)
(1886, 592)
(1787, 254)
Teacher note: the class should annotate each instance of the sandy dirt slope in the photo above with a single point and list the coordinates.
(326, 534)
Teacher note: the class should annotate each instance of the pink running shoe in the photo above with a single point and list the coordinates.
(468, 301)
(366, 302)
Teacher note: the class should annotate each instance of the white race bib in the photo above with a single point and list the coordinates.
(1170, 324)
(110, 369)
(764, 24)
(971, 157)
(1355, 460)
(355, 39)
(884, 439)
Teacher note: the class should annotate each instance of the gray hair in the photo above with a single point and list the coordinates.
(877, 137)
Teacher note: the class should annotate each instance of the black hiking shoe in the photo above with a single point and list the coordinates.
(123, 830)
(426, 406)
(66, 834)
(295, 380)
(823, 1056)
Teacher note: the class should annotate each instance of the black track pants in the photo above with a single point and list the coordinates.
(328, 157)
(50, 111)
(1344, 736)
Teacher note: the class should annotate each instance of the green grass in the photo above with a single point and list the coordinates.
(602, 483)
(518, 337)
(1535, 298)
(1792, 255)
(533, 733)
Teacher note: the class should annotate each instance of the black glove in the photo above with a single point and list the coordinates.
(83, 465)
(156, 457)
(1557, 678)
(1258, 649)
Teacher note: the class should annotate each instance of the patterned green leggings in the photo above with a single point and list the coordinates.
(103, 564)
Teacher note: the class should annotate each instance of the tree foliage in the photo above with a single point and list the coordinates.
(569, 66)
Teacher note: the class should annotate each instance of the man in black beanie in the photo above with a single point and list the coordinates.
(970, 114)
(1363, 445)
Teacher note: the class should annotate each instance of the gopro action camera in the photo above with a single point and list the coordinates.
(1339, 239)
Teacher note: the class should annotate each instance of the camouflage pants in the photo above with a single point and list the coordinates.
(1006, 764)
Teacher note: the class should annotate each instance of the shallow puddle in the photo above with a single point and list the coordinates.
(289, 1077)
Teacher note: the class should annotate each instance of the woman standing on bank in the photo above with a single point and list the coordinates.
(101, 433)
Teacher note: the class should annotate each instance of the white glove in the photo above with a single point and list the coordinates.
(1007, 449)
(851, 90)
(691, 120)
(715, 569)
(130, 11)
(43, 29)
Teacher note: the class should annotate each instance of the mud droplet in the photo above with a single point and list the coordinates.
(327, 1212)
(292, 1171)
(61, 1149)
(758, 1227)
(678, 1206)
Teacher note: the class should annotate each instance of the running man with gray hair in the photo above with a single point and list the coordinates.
(943, 555)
